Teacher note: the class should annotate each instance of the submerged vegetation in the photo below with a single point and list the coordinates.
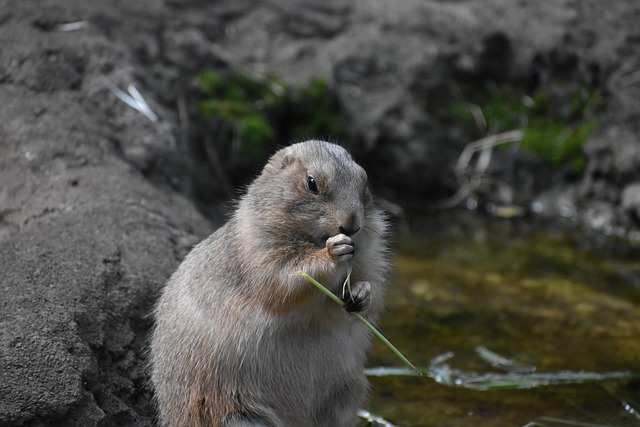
(516, 377)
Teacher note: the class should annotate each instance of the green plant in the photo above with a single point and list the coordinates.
(239, 109)
(555, 127)
(249, 115)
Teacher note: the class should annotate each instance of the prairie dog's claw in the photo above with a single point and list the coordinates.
(359, 298)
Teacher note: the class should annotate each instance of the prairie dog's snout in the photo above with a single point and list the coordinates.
(350, 222)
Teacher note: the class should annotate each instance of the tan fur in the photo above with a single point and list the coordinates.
(238, 339)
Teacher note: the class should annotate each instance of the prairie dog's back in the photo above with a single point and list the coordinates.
(240, 339)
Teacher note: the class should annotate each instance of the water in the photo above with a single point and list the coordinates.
(542, 296)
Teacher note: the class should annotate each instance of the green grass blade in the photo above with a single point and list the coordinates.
(443, 374)
(320, 286)
(360, 318)
(382, 338)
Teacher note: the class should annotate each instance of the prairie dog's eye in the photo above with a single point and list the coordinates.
(312, 185)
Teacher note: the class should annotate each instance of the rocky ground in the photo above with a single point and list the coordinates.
(96, 205)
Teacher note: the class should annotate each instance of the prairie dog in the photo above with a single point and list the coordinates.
(239, 340)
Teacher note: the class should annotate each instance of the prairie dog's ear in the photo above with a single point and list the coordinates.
(281, 159)
(288, 158)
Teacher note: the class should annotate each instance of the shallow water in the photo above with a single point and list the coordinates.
(542, 296)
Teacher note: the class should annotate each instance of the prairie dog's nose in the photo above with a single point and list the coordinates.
(350, 225)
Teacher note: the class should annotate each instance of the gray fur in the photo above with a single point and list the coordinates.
(239, 340)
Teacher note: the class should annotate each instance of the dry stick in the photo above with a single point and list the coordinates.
(218, 167)
(485, 147)
(360, 318)
(133, 100)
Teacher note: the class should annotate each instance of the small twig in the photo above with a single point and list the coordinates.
(218, 168)
(478, 116)
(498, 361)
(486, 143)
(71, 26)
(469, 182)
(133, 100)
(144, 107)
(184, 127)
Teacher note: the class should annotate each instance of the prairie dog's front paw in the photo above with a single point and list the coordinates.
(340, 247)
(358, 299)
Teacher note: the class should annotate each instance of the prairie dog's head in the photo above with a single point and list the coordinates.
(312, 190)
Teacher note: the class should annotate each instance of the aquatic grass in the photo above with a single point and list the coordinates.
(571, 422)
(631, 407)
(564, 422)
(442, 373)
(373, 420)
(498, 361)
(372, 328)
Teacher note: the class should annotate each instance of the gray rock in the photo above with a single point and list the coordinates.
(631, 201)
(86, 239)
